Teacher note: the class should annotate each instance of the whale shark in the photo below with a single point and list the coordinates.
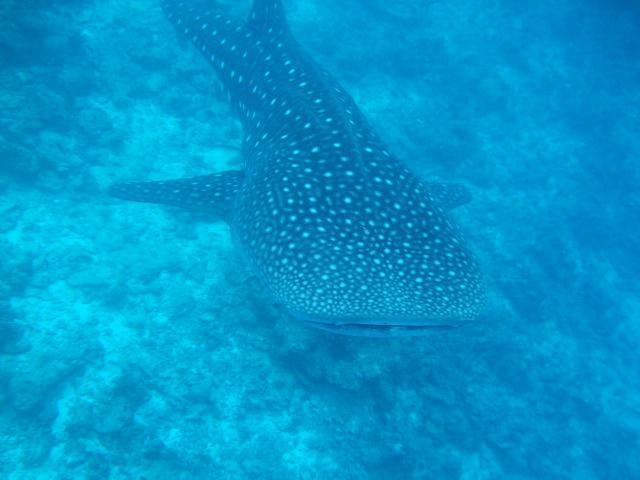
(341, 233)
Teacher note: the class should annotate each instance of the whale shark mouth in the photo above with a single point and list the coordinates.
(376, 330)
(372, 328)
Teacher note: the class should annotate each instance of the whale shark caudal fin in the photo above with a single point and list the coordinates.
(448, 195)
(213, 194)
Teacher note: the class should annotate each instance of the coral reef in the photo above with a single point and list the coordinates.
(133, 344)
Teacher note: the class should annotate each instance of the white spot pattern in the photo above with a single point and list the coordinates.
(337, 228)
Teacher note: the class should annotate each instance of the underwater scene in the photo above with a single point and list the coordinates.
(319, 239)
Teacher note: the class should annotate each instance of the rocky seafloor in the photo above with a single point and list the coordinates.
(133, 344)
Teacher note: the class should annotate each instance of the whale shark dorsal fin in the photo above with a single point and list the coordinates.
(268, 16)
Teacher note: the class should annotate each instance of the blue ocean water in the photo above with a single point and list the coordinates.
(134, 344)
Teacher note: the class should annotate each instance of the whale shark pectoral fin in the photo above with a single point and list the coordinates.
(213, 194)
(449, 195)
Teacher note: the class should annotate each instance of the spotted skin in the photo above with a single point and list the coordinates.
(213, 194)
(339, 231)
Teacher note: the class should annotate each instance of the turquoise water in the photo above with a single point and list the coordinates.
(134, 344)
